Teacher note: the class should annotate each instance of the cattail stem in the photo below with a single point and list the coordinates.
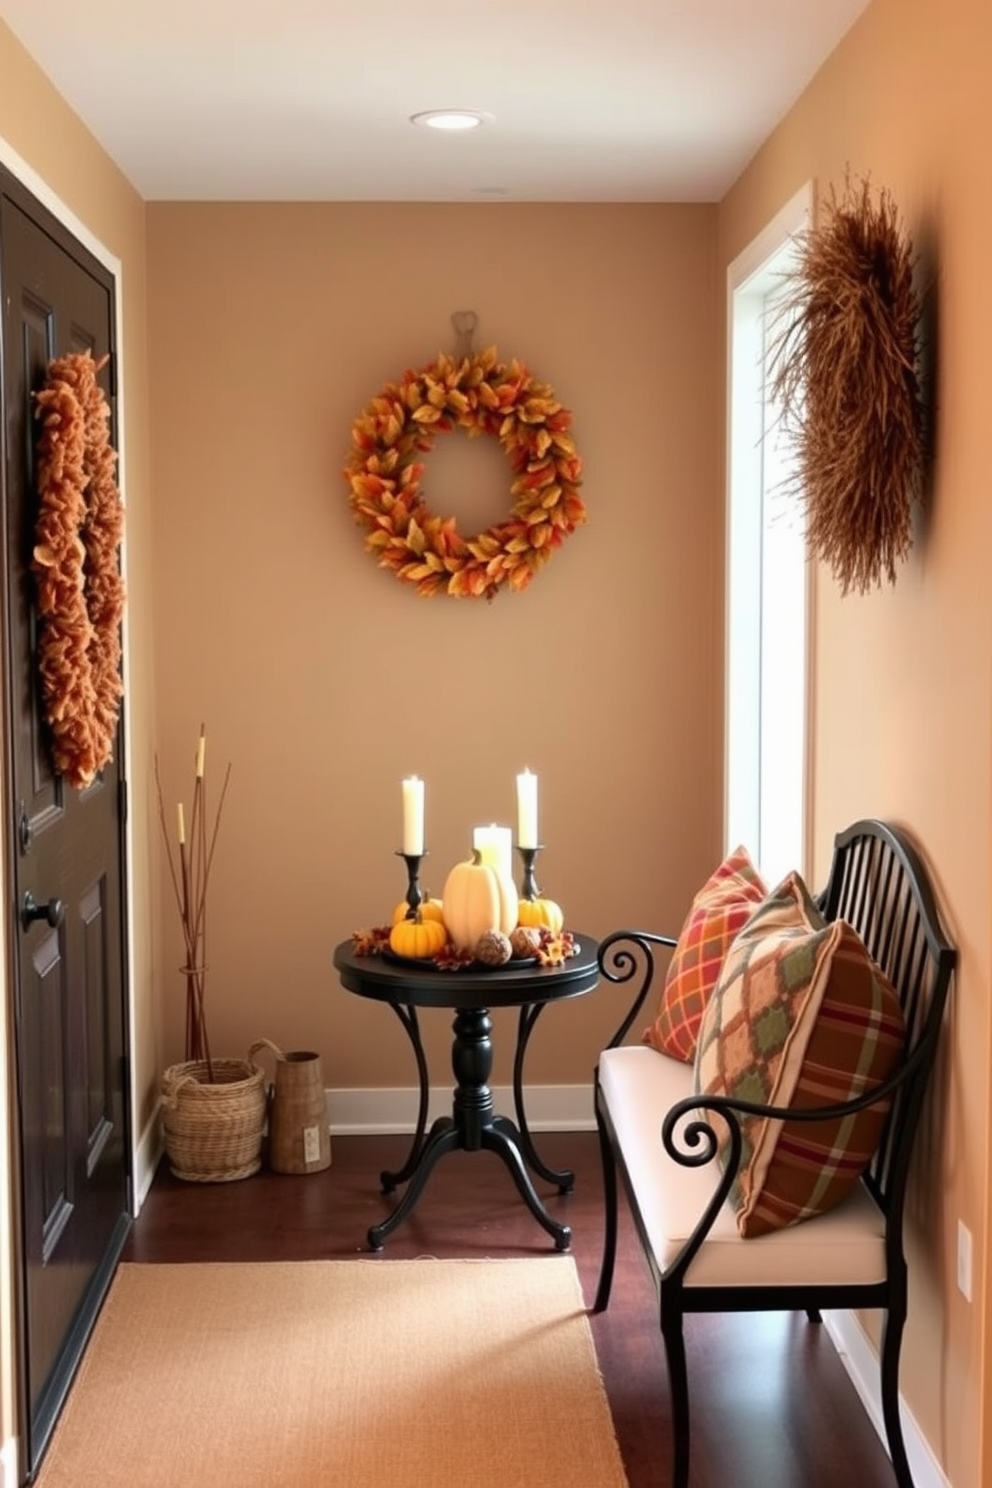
(190, 879)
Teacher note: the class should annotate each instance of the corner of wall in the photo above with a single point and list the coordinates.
(147, 1155)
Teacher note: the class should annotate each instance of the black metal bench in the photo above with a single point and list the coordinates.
(657, 1133)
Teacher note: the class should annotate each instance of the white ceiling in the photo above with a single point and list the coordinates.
(592, 100)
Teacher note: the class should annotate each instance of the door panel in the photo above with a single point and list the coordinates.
(64, 848)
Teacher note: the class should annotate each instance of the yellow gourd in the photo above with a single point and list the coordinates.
(418, 938)
(429, 909)
(543, 914)
(478, 897)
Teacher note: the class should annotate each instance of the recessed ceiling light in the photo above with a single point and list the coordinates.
(450, 119)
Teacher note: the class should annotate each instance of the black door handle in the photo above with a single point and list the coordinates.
(53, 912)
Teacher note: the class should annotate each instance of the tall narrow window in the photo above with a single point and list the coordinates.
(767, 574)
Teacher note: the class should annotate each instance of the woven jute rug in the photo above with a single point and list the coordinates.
(339, 1374)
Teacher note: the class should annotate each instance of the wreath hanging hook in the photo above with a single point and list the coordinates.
(465, 323)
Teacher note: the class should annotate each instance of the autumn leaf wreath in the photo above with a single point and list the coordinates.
(482, 395)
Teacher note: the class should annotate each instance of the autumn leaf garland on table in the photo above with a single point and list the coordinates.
(550, 949)
(481, 395)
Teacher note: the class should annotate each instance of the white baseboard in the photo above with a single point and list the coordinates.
(368, 1112)
(861, 1362)
(389, 1111)
(147, 1155)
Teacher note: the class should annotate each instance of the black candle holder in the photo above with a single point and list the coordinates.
(414, 893)
(528, 885)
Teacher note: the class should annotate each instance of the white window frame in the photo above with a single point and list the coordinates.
(759, 682)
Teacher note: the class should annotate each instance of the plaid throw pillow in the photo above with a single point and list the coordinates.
(801, 1016)
(718, 911)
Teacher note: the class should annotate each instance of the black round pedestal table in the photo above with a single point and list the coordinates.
(473, 1124)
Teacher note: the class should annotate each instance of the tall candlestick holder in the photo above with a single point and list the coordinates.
(414, 893)
(528, 884)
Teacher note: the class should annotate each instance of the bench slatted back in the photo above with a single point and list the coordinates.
(879, 885)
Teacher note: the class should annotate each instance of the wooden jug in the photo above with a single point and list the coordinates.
(299, 1137)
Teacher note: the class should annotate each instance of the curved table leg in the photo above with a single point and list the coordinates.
(390, 1180)
(444, 1137)
(502, 1138)
(565, 1178)
(472, 1125)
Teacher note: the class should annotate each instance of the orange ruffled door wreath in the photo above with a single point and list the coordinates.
(76, 563)
(481, 395)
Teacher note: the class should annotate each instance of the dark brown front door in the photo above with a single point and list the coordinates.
(64, 855)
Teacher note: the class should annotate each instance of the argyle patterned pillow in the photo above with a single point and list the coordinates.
(718, 911)
(801, 1016)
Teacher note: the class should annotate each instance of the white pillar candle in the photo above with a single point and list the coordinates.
(527, 810)
(413, 816)
(495, 846)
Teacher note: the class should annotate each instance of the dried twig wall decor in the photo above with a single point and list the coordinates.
(845, 371)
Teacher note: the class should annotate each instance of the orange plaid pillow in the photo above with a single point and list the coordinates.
(718, 911)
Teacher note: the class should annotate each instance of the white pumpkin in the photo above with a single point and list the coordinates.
(478, 897)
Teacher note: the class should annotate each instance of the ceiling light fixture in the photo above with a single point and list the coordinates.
(452, 119)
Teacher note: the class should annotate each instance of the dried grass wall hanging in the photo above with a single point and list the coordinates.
(844, 368)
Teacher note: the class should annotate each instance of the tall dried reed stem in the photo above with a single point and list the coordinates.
(189, 869)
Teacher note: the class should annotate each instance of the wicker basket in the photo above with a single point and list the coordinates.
(213, 1129)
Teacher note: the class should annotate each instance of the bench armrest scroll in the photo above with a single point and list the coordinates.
(628, 956)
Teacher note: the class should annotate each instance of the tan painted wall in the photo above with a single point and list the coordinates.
(325, 680)
(902, 676)
(39, 131)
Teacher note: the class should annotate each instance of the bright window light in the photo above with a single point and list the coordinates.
(767, 573)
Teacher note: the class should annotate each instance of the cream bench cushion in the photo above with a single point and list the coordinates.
(638, 1086)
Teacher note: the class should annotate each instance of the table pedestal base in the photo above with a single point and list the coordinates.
(472, 1126)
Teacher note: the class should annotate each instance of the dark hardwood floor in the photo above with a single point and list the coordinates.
(772, 1406)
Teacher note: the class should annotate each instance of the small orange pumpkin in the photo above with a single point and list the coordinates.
(417, 938)
(543, 914)
(429, 909)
